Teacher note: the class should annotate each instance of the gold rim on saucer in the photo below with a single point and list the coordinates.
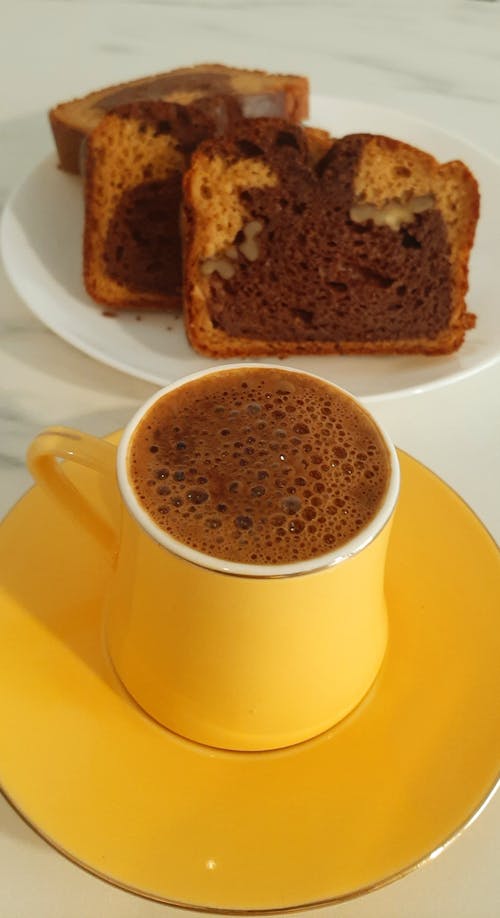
(345, 813)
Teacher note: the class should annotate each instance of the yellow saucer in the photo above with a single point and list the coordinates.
(316, 823)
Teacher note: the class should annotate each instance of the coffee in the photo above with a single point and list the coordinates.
(259, 466)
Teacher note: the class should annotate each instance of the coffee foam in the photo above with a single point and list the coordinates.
(259, 466)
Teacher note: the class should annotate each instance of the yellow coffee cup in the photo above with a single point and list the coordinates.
(234, 655)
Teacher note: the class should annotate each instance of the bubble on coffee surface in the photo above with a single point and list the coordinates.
(259, 466)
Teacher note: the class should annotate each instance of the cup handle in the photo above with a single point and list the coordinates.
(57, 443)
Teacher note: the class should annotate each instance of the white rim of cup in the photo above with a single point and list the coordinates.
(213, 563)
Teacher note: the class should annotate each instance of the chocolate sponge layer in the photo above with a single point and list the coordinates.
(319, 275)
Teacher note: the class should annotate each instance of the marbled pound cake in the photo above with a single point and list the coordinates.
(133, 187)
(363, 251)
(259, 95)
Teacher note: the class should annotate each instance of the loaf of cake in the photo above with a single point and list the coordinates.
(362, 250)
(259, 94)
(135, 160)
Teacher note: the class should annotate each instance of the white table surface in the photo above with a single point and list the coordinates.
(438, 60)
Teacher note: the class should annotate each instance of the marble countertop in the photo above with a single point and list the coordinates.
(436, 60)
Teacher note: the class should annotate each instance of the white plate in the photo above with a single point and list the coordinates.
(41, 245)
